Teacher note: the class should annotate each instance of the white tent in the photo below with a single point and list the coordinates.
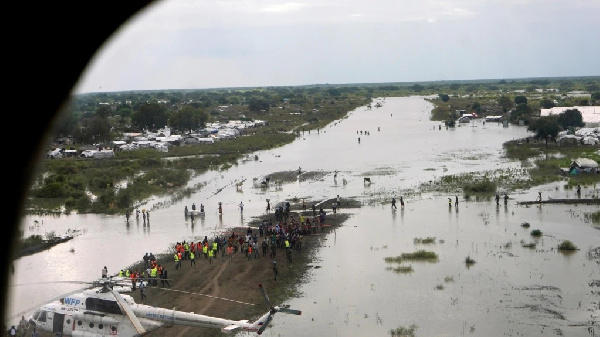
(589, 114)
(584, 163)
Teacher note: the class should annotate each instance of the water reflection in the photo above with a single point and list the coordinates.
(393, 298)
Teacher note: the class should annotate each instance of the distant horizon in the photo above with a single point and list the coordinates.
(520, 79)
(182, 44)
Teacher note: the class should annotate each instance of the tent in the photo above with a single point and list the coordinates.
(583, 165)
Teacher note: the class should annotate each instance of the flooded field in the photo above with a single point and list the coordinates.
(518, 285)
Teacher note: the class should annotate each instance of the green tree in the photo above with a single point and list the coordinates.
(150, 116)
(570, 118)
(257, 104)
(104, 111)
(521, 112)
(334, 92)
(520, 100)
(444, 97)
(546, 103)
(506, 103)
(124, 111)
(94, 130)
(418, 88)
(188, 119)
(545, 128)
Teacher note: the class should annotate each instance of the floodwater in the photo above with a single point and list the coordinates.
(509, 290)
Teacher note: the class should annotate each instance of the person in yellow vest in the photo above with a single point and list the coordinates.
(121, 273)
(192, 259)
(215, 246)
(153, 275)
(186, 248)
(176, 257)
(205, 250)
(127, 273)
(211, 254)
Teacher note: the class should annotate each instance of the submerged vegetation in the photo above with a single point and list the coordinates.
(593, 217)
(420, 255)
(536, 233)
(400, 269)
(427, 240)
(482, 187)
(528, 244)
(469, 261)
(567, 245)
(402, 331)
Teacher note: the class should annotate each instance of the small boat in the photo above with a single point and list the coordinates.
(561, 201)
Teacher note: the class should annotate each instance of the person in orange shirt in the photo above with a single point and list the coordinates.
(230, 251)
(133, 277)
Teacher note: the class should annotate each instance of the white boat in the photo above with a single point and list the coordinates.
(195, 212)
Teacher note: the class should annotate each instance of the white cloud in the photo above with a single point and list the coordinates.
(202, 44)
(284, 7)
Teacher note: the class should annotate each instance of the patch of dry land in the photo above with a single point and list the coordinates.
(199, 289)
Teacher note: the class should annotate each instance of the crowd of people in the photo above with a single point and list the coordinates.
(284, 231)
(265, 241)
(255, 243)
(150, 274)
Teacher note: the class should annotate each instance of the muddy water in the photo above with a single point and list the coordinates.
(510, 290)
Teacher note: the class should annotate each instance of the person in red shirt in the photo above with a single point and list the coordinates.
(133, 277)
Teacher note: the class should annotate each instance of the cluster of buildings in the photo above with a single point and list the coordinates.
(160, 140)
(589, 114)
(588, 135)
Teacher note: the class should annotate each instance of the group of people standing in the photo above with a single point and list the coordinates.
(149, 275)
(144, 212)
(22, 328)
(498, 199)
(185, 251)
(192, 214)
(394, 203)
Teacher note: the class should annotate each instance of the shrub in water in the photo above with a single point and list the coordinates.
(536, 232)
(567, 245)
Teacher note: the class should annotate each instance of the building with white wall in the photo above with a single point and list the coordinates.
(590, 114)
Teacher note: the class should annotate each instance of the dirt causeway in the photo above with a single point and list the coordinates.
(199, 289)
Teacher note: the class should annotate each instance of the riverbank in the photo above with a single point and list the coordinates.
(206, 288)
(30, 247)
(355, 254)
(562, 201)
(238, 279)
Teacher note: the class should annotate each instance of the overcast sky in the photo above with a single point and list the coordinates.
(197, 44)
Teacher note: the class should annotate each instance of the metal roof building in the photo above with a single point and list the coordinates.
(590, 114)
